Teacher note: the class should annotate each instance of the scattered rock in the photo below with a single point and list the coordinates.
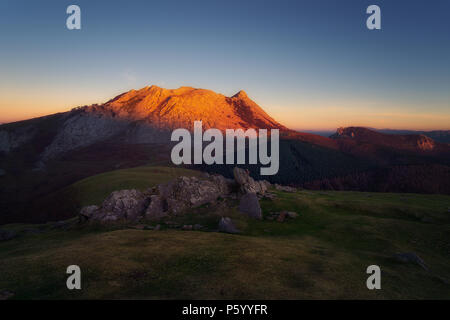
(198, 226)
(186, 227)
(247, 184)
(410, 257)
(285, 188)
(61, 224)
(427, 219)
(269, 196)
(32, 231)
(227, 226)
(157, 208)
(126, 205)
(249, 205)
(5, 295)
(292, 214)
(443, 280)
(157, 227)
(7, 235)
(282, 215)
(138, 227)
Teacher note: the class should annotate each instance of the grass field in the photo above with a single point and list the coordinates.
(322, 254)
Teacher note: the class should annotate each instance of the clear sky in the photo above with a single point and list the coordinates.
(310, 64)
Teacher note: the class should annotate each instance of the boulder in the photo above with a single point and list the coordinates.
(88, 212)
(191, 192)
(285, 188)
(292, 214)
(126, 205)
(281, 216)
(247, 184)
(7, 235)
(5, 295)
(410, 257)
(157, 208)
(249, 205)
(227, 226)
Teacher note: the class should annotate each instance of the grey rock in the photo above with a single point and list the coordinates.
(124, 204)
(88, 212)
(249, 205)
(247, 184)
(5, 295)
(191, 192)
(285, 188)
(120, 205)
(7, 235)
(282, 215)
(227, 226)
(157, 208)
(410, 257)
(292, 214)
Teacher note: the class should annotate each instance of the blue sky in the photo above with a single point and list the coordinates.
(310, 64)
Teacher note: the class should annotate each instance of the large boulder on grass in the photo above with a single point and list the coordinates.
(126, 205)
(249, 205)
(227, 226)
(157, 208)
(247, 184)
(191, 192)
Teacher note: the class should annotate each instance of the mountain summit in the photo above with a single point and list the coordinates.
(179, 108)
(147, 115)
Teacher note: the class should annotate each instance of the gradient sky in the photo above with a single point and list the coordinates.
(310, 64)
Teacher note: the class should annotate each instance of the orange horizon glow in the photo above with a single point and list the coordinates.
(306, 115)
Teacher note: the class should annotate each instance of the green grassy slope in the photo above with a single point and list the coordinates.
(323, 253)
(95, 189)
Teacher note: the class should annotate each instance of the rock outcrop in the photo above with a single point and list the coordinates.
(178, 196)
(249, 205)
(187, 192)
(247, 184)
(172, 198)
(227, 226)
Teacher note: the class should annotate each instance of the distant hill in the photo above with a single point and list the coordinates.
(437, 135)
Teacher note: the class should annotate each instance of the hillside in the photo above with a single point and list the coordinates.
(322, 254)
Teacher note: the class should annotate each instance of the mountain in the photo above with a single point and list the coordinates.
(442, 136)
(410, 142)
(147, 115)
(41, 157)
